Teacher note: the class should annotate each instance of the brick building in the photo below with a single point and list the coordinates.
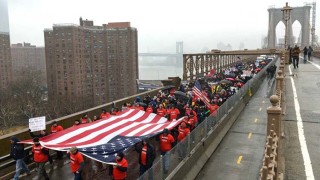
(27, 56)
(95, 63)
(5, 55)
(5, 61)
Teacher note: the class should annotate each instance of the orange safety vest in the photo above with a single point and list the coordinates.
(161, 112)
(117, 174)
(183, 132)
(38, 155)
(165, 142)
(144, 155)
(149, 110)
(55, 129)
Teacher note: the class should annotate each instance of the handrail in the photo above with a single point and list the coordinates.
(270, 161)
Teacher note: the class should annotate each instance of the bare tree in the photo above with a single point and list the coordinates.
(8, 114)
(28, 92)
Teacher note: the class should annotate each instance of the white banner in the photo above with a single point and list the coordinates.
(37, 124)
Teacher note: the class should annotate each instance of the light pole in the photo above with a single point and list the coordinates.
(286, 16)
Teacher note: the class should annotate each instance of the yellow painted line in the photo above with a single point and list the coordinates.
(260, 109)
(239, 160)
(249, 136)
(256, 120)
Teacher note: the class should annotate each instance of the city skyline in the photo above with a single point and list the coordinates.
(200, 25)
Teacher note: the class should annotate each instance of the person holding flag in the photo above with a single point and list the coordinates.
(197, 90)
(76, 162)
(40, 157)
(54, 129)
(119, 171)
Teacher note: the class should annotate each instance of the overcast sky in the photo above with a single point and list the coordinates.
(199, 24)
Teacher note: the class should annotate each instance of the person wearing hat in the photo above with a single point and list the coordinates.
(17, 153)
(119, 171)
(40, 157)
(54, 129)
(76, 162)
(146, 156)
(166, 141)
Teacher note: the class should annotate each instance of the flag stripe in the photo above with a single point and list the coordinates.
(102, 139)
(70, 132)
(104, 132)
(136, 131)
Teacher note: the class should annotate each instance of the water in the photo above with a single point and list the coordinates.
(159, 72)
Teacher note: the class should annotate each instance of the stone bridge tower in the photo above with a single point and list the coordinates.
(300, 14)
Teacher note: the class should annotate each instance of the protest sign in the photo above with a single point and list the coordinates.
(37, 124)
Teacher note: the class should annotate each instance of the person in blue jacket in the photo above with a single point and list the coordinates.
(18, 154)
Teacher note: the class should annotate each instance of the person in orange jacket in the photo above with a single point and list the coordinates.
(54, 129)
(40, 157)
(149, 109)
(174, 113)
(183, 131)
(85, 119)
(166, 141)
(119, 171)
(104, 114)
(161, 111)
(76, 162)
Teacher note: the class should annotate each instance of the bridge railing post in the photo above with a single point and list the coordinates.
(286, 57)
(269, 168)
(274, 115)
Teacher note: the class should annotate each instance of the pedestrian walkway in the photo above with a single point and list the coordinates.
(239, 155)
(302, 126)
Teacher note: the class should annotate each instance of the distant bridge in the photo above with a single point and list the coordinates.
(178, 54)
(159, 55)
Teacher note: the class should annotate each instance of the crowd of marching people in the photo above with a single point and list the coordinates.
(183, 102)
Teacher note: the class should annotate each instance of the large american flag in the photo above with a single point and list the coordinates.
(197, 90)
(101, 140)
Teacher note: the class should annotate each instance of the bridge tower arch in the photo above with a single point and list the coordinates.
(300, 14)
